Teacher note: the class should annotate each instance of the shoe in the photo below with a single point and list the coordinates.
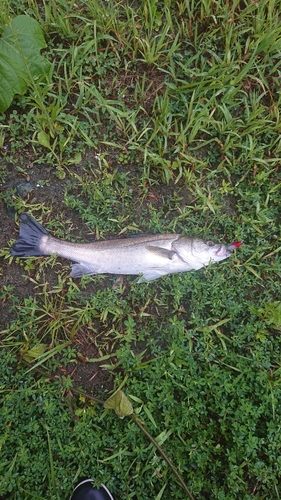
(86, 491)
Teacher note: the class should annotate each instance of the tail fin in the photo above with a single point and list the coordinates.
(28, 243)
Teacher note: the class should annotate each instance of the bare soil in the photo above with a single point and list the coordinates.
(89, 376)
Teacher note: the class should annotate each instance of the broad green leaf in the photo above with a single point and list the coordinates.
(120, 404)
(35, 352)
(20, 59)
(44, 139)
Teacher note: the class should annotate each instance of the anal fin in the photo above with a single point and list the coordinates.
(79, 269)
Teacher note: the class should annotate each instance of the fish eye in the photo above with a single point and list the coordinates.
(210, 243)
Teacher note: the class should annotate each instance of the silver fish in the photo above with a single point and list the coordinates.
(150, 256)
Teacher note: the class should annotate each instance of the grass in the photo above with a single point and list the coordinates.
(154, 117)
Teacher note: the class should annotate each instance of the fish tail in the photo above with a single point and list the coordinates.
(31, 233)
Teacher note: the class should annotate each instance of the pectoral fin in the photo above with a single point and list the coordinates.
(161, 252)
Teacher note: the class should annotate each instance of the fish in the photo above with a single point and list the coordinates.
(148, 256)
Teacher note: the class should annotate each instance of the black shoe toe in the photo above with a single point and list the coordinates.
(86, 491)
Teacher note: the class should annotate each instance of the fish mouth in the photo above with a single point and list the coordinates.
(228, 249)
(218, 250)
(223, 251)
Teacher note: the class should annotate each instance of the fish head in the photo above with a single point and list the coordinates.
(199, 253)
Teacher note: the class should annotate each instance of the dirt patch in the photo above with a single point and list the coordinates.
(39, 186)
